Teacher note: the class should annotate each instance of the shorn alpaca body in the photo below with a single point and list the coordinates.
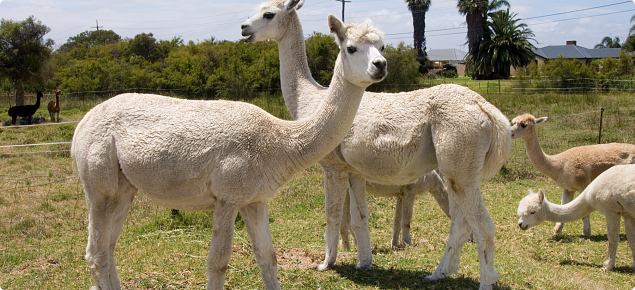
(26, 111)
(54, 107)
(405, 196)
(222, 156)
(396, 139)
(574, 169)
(612, 194)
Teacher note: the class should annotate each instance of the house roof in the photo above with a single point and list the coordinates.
(574, 51)
(446, 54)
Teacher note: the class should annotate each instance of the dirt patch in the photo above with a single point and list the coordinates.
(297, 259)
(37, 263)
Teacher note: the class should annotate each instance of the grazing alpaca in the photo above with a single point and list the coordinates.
(612, 194)
(26, 111)
(224, 156)
(405, 196)
(573, 169)
(395, 140)
(54, 107)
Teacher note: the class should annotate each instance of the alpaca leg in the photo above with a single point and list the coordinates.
(220, 249)
(14, 119)
(469, 200)
(459, 234)
(613, 235)
(335, 189)
(396, 224)
(256, 221)
(567, 196)
(52, 115)
(407, 207)
(58, 117)
(127, 193)
(359, 221)
(439, 192)
(345, 226)
(586, 226)
(629, 228)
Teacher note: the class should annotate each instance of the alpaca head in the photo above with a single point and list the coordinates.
(58, 92)
(271, 21)
(361, 51)
(531, 210)
(524, 125)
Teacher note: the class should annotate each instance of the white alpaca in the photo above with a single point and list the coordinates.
(612, 194)
(223, 156)
(395, 140)
(574, 169)
(405, 196)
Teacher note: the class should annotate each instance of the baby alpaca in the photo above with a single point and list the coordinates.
(574, 169)
(54, 107)
(26, 111)
(612, 194)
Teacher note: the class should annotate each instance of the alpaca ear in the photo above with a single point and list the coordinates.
(297, 4)
(541, 195)
(540, 120)
(337, 28)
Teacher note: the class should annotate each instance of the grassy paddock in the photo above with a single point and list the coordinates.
(43, 219)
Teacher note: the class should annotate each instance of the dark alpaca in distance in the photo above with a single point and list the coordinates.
(25, 111)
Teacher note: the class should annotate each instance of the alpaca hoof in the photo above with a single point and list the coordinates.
(558, 228)
(608, 265)
(435, 277)
(94, 288)
(363, 268)
(323, 267)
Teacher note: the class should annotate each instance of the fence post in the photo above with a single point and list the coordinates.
(600, 133)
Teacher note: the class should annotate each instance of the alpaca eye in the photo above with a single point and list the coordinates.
(523, 125)
(382, 48)
(351, 49)
(269, 15)
(533, 212)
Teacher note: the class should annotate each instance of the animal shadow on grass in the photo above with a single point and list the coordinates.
(404, 279)
(626, 269)
(564, 238)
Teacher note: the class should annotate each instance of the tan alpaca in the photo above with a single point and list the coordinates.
(396, 139)
(574, 169)
(54, 107)
(612, 194)
(224, 156)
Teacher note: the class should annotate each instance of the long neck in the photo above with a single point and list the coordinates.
(57, 100)
(541, 161)
(572, 211)
(299, 89)
(37, 103)
(318, 134)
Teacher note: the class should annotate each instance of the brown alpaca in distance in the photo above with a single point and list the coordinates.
(25, 111)
(54, 107)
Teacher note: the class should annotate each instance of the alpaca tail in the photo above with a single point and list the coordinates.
(501, 143)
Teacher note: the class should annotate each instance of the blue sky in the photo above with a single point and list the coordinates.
(201, 19)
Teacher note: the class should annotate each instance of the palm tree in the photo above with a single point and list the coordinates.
(419, 9)
(505, 43)
(475, 12)
(608, 42)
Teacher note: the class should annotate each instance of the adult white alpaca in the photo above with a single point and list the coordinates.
(405, 196)
(573, 169)
(612, 194)
(395, 140)
(223, 156)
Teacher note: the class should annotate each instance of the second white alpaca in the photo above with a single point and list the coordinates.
(612, 194)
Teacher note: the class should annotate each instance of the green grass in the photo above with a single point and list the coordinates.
(43, 220)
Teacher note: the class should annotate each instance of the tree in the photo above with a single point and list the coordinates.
(608, 42)
(418, 8)
(23, 52)
(321, 52)
(90, 38)
(505, 43)
(475, 12)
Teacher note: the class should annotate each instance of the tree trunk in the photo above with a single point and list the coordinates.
(419, 24)
(474, 22)
(19, 92)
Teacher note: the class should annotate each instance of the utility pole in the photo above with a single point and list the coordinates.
(343, 3)
(97, 22)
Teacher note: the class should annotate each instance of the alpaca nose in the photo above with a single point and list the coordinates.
(243, 26)
(380, 63)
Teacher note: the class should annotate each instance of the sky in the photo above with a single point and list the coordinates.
(552, 21)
